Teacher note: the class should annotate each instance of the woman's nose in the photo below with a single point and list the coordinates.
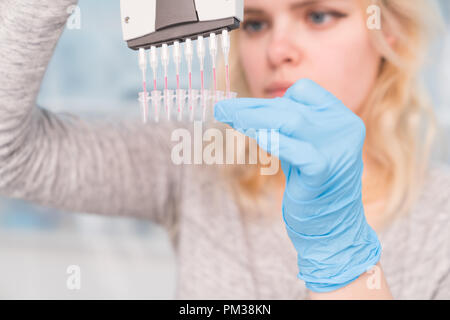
(282, 48)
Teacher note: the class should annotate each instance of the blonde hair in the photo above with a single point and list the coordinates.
(399, 119)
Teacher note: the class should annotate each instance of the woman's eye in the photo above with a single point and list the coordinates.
(254, 26)
(321, 18)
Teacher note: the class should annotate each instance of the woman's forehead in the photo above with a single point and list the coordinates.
(269, 4)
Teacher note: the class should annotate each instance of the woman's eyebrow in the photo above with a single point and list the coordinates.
(297, 5)
(250, 10)
(304, 3)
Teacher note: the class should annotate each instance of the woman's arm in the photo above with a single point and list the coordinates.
(59, 160)
(370, 285)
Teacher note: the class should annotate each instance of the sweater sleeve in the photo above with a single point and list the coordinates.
(60, 160)
(442, 291)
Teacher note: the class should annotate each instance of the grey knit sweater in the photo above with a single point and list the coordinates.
(61, 161)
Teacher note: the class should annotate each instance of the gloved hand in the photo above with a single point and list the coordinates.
(320, 150)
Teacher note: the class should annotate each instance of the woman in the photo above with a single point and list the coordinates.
(227, 230)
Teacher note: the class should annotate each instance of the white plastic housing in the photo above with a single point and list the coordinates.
(139, 16)
(219, 9)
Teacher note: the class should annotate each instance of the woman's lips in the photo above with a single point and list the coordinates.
(277, 92)
(277, 89)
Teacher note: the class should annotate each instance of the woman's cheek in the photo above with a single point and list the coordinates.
(361, 69)
(253, 64)
(359, 75)
(350, 72)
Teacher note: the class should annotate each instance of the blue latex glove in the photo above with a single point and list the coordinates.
(320, 151)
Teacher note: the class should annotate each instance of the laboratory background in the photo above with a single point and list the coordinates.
(93, 74)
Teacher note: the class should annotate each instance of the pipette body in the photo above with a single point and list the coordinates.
(148, 23)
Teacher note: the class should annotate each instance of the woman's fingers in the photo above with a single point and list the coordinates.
(279, 114)
(304, 156)
(224, 110)
(299, 154)
(309, 93)
(278, 126)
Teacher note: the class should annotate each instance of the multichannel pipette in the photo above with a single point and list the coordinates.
(165, 64)
(177, 60)
(213, 52)
(149, 24)
(143, 67)
(154, 65)
(226, 53)
(189, 53)
(201, 60)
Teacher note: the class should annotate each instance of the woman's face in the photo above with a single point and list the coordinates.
(324, 40)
